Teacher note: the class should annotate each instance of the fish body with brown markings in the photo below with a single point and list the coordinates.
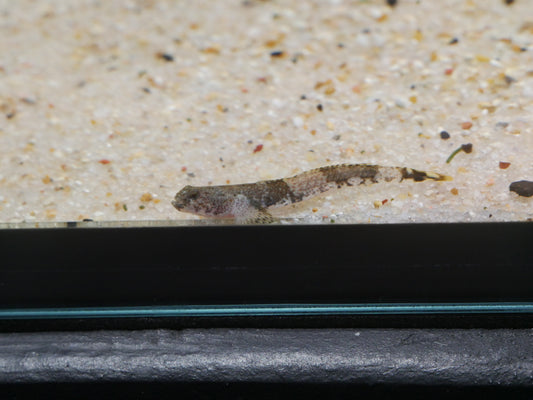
(248, 202)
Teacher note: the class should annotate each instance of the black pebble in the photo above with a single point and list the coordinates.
(444, 135)
(522, 188)
(167, 57)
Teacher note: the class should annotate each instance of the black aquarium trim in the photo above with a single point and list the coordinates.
(331, 321)
(279, 264)
(429, 357)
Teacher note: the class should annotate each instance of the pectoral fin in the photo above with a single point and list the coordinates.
(257, 216)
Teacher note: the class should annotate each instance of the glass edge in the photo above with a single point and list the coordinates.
(266, 310)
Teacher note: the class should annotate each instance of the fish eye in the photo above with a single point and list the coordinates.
(193, 195)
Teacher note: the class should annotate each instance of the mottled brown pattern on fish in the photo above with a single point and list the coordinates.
(342, 174)
(310, 183)
(249, 201)
(268, 193)
(417, 176)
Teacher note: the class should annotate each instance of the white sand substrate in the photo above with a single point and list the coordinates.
(108, 108)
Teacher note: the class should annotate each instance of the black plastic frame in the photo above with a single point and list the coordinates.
(217, 265)
(476, 357)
